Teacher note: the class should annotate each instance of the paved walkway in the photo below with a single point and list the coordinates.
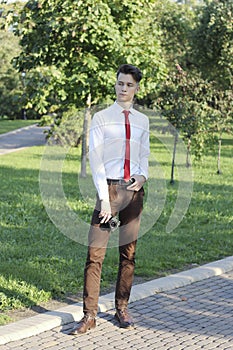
(186, 311)
(21, 138)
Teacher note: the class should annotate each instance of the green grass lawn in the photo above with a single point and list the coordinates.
(7, 125)
(38, 262)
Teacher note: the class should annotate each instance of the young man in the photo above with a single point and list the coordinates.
(118, 151)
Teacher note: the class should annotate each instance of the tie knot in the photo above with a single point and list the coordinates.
(126, 113)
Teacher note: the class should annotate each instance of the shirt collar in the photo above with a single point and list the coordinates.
(121, 109)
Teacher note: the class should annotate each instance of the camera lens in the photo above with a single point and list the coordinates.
(113, 223)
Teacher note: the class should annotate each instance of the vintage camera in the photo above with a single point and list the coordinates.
(112, 224)
(132, 180)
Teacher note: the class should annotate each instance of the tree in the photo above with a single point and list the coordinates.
(185, 100)
(176, 21)
(214, 33)
(71, 50)
(10, 81)
(79, 45)
(62, 43)
(223, 118)
(10, 85)
(141, 38)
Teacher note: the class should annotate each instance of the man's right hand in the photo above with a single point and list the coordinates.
(105, 212)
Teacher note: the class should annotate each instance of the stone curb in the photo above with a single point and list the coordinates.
(49, 320)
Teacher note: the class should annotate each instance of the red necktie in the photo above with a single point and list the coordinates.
(127, 147)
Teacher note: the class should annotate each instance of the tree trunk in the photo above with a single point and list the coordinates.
(86, 122)
(219, 156)
(173, 158)
(188, 163)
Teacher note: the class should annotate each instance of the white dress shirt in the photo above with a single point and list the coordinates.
(107, 146)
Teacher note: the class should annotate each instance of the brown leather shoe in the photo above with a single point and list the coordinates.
(87, 323)
(124, 318)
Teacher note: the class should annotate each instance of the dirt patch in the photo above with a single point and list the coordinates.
(51, 305)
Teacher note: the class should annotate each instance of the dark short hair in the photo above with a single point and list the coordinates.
(130, 69)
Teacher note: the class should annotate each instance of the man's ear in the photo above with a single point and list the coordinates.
(137, 89)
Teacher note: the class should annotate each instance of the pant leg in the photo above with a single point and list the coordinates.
(130, 224)
(92, 276)
(125, 275)
(97, 243)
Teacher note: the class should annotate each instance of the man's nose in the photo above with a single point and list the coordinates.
(124, 87)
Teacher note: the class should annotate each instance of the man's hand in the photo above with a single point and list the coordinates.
(137, 184)
(105, 212)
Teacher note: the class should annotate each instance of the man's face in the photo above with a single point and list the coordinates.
(126, 87)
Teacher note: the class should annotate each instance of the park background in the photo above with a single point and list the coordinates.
(58, 62)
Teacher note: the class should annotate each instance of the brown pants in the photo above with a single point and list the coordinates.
(128, 204)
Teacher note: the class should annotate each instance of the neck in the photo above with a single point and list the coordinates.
(125, 105)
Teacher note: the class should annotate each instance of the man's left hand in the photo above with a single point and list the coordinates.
(137, 184)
